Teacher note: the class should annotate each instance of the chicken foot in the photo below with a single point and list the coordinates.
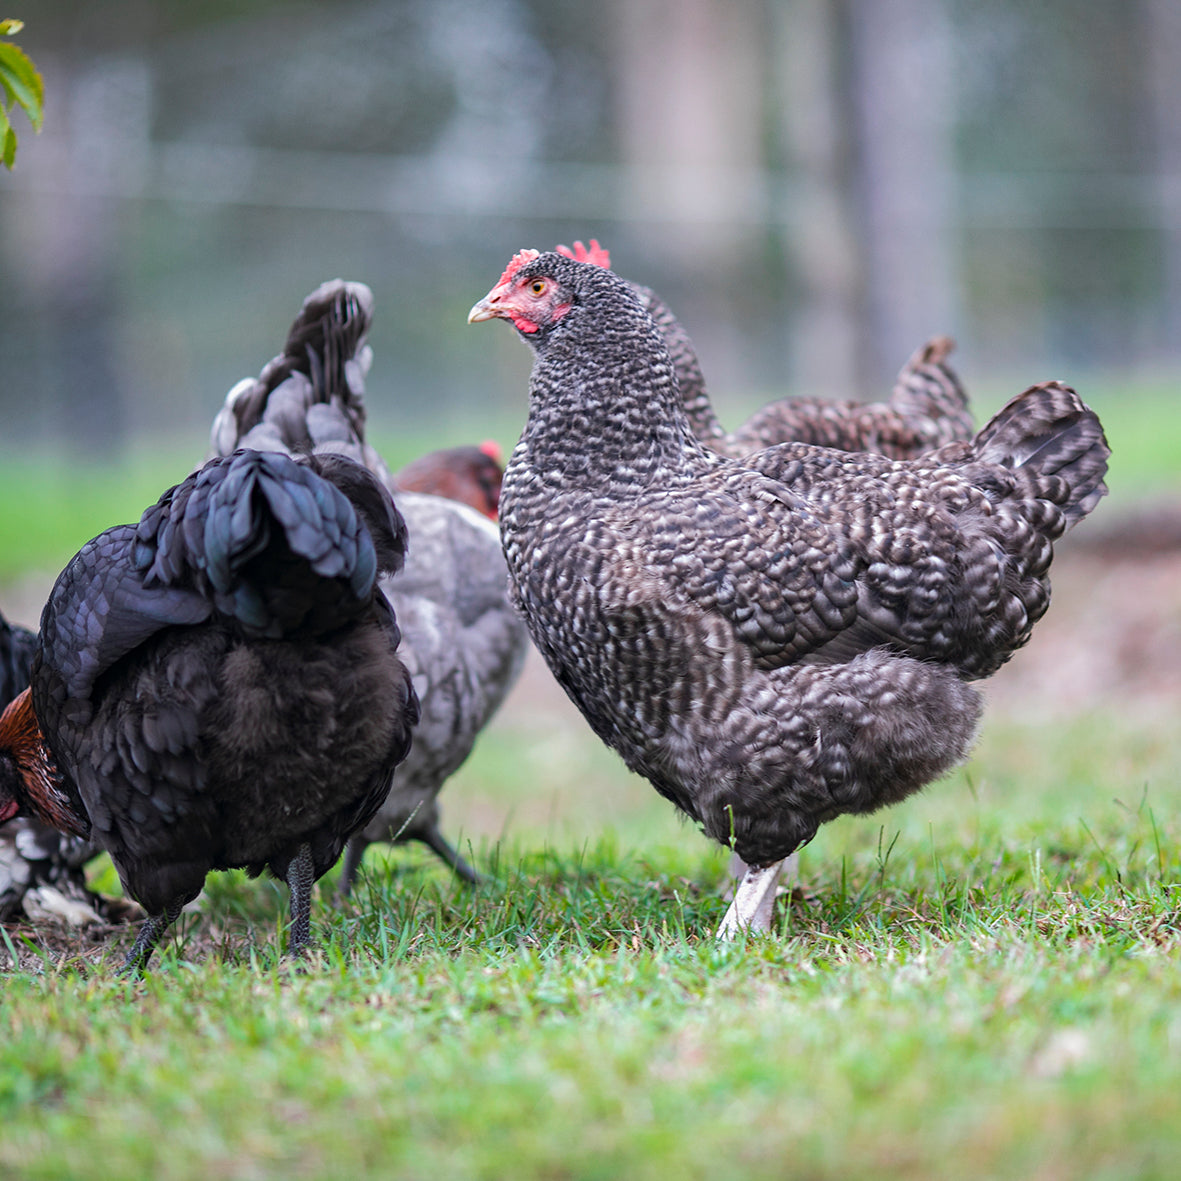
(301, 876)
(431, 837)
(439, 845)
(150, 931)
(753, 902)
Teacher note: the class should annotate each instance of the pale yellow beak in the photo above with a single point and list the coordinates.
(488, 308)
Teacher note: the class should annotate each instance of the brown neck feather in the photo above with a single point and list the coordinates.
(39, 792)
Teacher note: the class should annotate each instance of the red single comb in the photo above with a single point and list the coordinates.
(491, 448)
(517, 261)
(597, 255)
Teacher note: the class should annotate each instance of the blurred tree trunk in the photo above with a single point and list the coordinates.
(903, 97)
(1162, 29)
(690, 124)
(690, 119)
(819, 214)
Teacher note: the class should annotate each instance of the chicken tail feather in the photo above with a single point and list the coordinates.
(1051, 435)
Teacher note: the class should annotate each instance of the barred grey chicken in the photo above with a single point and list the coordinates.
(461, 640)
(926, 408)
(776, 640)
(41, 869)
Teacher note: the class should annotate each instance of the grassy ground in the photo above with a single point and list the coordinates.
(984, 982)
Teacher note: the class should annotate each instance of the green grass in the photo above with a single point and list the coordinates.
(981, 983)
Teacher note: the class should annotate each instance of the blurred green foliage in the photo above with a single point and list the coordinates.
(21, 86)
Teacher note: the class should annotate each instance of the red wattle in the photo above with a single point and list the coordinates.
(523, 325)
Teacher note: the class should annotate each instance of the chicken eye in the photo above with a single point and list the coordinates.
(537, 286)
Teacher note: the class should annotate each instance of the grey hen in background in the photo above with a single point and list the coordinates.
(926, 408)
(461, 641)
(776, 640)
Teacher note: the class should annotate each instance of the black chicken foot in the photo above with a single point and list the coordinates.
(438, 844)
(301, 876)
(150, 931)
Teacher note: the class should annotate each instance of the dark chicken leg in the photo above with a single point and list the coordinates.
(149, 935)
(442, 848)
(301, 876)
(428, 834)
(300, 879)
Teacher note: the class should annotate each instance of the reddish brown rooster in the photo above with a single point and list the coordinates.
(466, 475)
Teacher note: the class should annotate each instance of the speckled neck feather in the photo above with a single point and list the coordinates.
(618, 424)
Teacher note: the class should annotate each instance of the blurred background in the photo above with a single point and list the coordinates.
(815, 186)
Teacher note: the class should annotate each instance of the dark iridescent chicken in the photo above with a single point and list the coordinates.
(461, 641)
(926, 408)
(203, 695)
(778, 640)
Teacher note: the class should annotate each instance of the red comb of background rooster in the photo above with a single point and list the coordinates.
(517, 261)
(596, 255)
(491, 448)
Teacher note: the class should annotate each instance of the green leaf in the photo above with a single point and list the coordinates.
(10, 26)
(21, 82)
(7, 146)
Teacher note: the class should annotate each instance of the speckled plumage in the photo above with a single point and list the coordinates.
(461, 640)
(205, 678)
(778, 640)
